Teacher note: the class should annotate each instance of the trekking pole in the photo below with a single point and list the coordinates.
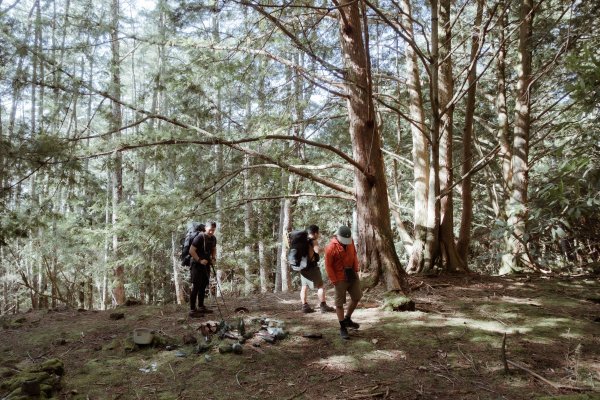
(219, 290)
(215, 299)
(219, 309)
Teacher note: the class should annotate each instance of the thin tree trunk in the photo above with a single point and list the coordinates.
(505, 153)
(520, 155)
(420, 148)
(262, 259)
(219, 207)
(117, 181)
(219, 158)
(90, 293)
(247, 228)
(106, 300)
(432, 249)
(464, 236)
(180, 298)
(286, 227)
(281, 240)
(375, 245)
(451, 260)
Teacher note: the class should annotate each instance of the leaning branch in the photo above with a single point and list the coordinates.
(35, 291)
(299, 45)
(479, 165)
(555, 385)
(214, 140)
(237, 204)
(229, 143)
(424, 59)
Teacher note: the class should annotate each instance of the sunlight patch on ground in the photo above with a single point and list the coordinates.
(519, 300)
(339, 363)
(571, 335)
(374, 315)
(385, 355)
(488, 326)
(290, 302)
(552, 322)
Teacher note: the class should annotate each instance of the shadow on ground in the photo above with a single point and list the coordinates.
(450, 348)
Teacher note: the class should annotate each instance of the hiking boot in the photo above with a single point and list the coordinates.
(325, 308)
(205, 310)
(344, 333)
(351, 324)
(307, 309)
(195, 313)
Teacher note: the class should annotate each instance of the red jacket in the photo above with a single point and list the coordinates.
(337, 258)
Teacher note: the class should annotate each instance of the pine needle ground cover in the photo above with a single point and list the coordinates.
(455, 345)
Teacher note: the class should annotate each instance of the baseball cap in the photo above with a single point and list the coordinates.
(344, 235)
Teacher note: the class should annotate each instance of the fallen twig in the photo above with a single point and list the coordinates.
(297, 395)
(541, 378)
(236, 376)
(506, 371)
(334, 378)
(366, 396)
(473, 366)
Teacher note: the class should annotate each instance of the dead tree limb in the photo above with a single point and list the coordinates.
(554, 385)
(506, 370)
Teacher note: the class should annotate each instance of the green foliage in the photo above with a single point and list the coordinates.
(227, 70)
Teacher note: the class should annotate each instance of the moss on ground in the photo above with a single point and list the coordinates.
(451, 349)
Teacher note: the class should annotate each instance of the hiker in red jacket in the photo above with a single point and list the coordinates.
(341, 264)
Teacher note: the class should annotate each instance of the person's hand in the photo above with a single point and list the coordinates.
(204, 262)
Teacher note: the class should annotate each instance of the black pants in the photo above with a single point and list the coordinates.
(200, 277)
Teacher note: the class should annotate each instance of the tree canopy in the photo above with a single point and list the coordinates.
(452, 136)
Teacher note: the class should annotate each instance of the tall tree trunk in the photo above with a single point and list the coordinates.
(451, 260)
(281, 241)
(177, 279)
(262, 260)
(375, 245)
(115, 125)
(106, 299)
(90, 293)
(502, 135)
(286, 227)
(464, 236)
(36, 267)
(503, 138)
(248, 257)
(420, 148)
(520, 150)
(219, 160)
(432, 249)
(219, 207)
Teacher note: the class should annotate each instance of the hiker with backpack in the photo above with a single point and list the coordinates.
(203, 252)
(341, 264)
(194, 229)
(310, 276)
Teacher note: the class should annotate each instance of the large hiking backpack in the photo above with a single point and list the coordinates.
(194, 230)
(298, 253)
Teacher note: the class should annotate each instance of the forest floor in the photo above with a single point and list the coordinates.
(451, 347)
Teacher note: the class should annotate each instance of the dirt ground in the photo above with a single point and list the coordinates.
(451, 347)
